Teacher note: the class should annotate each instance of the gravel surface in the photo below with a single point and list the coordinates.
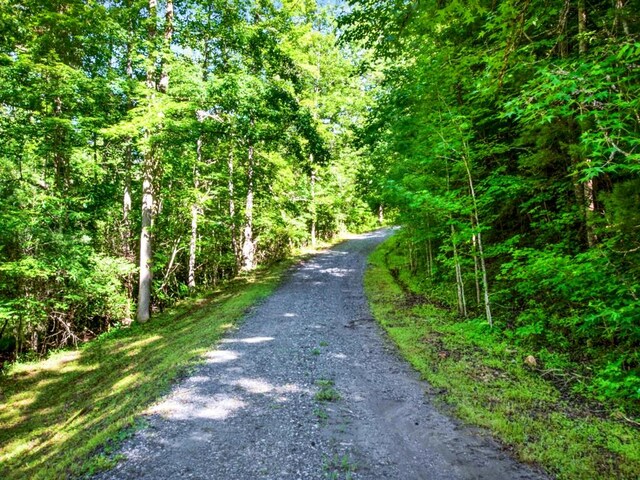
(255, 409)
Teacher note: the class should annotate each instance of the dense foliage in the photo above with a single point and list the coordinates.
(225, 123)
(153, 148)
(506, 135)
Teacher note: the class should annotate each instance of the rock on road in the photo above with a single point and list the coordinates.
(251, 412)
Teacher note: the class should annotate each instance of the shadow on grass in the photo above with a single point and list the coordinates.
(63, 416)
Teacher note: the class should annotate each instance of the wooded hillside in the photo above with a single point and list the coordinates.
(506, 135)
(153, 148)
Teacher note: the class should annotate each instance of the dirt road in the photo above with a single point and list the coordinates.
(308, 388)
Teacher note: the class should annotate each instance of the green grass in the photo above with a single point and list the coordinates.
(322, 415)
(485, 381)
(64, 416)
(326, 393)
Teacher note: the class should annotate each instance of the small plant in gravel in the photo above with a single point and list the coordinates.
(326, 393)
(324, 343)
(315, 351)
(321, 414)
(323, 382)
(339, 467)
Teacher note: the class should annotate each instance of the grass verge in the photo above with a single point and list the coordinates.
(486, 382)
(64, 416)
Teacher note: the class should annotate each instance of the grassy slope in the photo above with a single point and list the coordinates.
(486, 382)
(64, 416)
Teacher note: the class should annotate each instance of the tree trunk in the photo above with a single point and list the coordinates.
(150, 167)
(462, 303)
(163, 85)
(232, 212)
(619, 18)
(195, 210)
(590, 210)
(314, 213)
(127, 248)
(588, 187)
(144, 287)
(193, 243)
(476, 266)
(429, 255)
(126, 207)
(151, 34)
(483, 267)
(485, 282)
(248, 246)
(563, 44)
(429, 251)
(582, 27)
(412, 265)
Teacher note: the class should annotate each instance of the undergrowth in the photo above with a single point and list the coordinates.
(486, 381)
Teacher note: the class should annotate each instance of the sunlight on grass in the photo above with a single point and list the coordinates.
(135, 348)
(62, 416)
(127, 381)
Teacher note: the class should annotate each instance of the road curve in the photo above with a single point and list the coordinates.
(252, 410)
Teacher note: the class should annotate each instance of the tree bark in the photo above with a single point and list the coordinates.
(563, 44)
(144, 286)
(151, 35)
(314, 212)
(462, 303)
(150, 167)
(126, 207)
(588, 187)
(232, 210)
(582, 27)
(195, 210)
(248, 245)
(429, 252)
(476, 266)
(163, 85)
(483, 267)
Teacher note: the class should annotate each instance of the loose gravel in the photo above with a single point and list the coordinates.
(254, 411)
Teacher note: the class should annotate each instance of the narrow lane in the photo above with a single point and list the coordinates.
(255, 409)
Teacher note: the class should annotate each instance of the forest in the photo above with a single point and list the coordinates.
(506, 136)
(152, 150)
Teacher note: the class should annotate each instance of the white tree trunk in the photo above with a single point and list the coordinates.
(248, 245)
(126, 211)
(144, 287)
(232, 211)
(476, 266)
(462, 302)
(483, 267)
(195, 210)
(193, 243)
(314, 213)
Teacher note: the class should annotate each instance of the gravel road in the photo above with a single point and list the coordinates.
(254, 411)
